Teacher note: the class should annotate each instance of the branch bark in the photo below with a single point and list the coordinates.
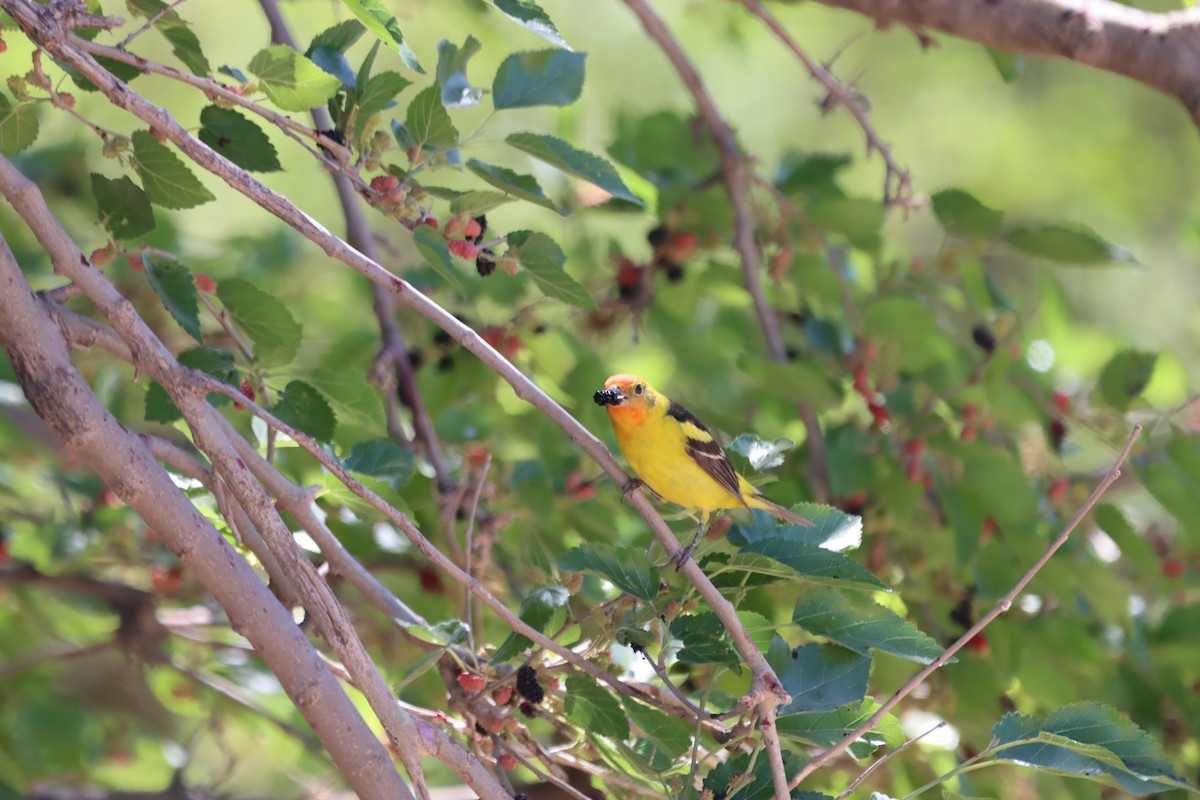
(1160, 50)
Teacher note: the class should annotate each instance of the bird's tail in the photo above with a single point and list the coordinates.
(783, 513)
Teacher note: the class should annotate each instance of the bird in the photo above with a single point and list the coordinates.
(677, 457)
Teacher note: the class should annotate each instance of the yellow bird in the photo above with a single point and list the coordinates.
(675, 455)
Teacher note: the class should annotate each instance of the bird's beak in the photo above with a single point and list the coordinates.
(611, 396)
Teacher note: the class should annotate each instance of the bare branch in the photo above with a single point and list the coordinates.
(1156, 49)
(1000, 607)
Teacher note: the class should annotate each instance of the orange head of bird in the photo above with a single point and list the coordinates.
(626, 397)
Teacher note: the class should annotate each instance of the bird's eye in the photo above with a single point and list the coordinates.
(637, 388)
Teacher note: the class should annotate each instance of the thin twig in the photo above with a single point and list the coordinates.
(1005, 603)
(897, 183)
(469, 546)
(888, 756)
(149, 24)
(734, 171)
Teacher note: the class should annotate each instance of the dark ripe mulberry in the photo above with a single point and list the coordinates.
(528, 686)
(984, 338)
(480, 729)
(484, 263)
(658, 236)
(674, 273)
(527, 709)
(961, 614)
(476, 236)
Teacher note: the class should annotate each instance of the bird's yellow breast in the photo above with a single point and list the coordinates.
(656, 449)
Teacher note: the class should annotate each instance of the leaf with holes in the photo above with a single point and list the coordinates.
(124, 209)
(238, 139)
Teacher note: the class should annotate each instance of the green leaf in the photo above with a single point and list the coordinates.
(755, 783)
(18, 126)
(457, 91)
(305, 409)
(381, 458)
(184, 43)
(859, 219)
(381, 22)
(210, 360)
(581, 164)
(544, 259)
(823, 728)
(379, 92)
(832, 528)
(861, 624)
(339, 37)
(1126, 376)
(124, 209)
(268, 322)
(436, 253)
(336, 64)
(539, 78)
(1090, 740)
(291, 81)
(805, 172)
(672, 736)
(475, 203)
(172, 282)
(238, 139)
(625, 567)
(166, 178)
(538, 609)
(523, 186)
(428, 123)
(1008, 65)
(594, 708)
(532, 18)
(960, 213)
(704, 638)
(1070, 244)
(819, 677)
(815, 564)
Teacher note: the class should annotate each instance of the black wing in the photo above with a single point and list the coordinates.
(704, 449)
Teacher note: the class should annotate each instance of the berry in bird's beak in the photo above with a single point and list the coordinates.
(609, 397)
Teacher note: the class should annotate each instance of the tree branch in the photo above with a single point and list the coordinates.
(1156, 49)
(1000, 607)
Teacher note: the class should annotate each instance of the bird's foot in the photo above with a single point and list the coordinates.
(632, 486)
(681, 556)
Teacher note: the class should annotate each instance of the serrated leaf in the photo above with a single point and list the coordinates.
(436, 253)
(339, 37)
(166, 178)
(814, 564)
(379, 93)
(475, 203)
(457, 91)
(381, 22)
(344, 391)
(862, 625)
(1090, 740)
(428, 123)
(291, 81)
(238, 139)
(543, 259)
(173, 284)
(625, 567)
(704, 639)
(672, 736)
(380, 458)
(580, 163)
(538, 609)
(268, 322)
(832, 528)
(532, 18)
(823, 728)
(819, 677)
(594, 708)
(305, 409)
(124, 209)
(18, 126)
(754, 780)
(1070, 244)
(184, 43)
(761, 454)
(959, 212)
(211, 360)
(539, 78)
(523, 186)
(1126, 376)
